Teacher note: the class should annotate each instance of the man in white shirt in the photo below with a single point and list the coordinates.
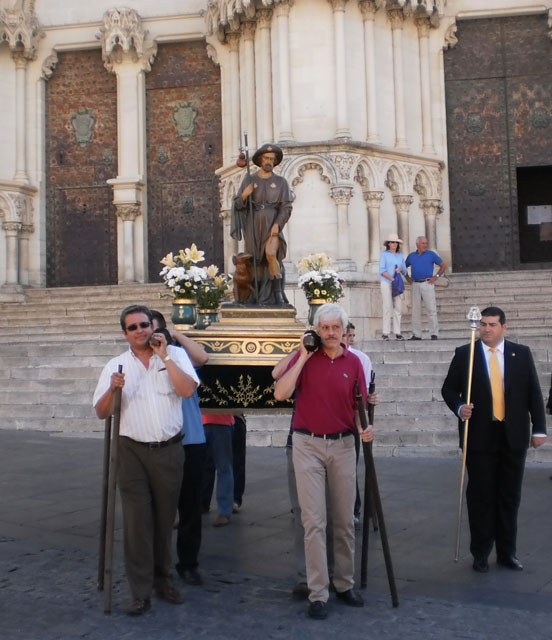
(154, 378)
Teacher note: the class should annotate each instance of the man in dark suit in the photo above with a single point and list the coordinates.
(505, 413)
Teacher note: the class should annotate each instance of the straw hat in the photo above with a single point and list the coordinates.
(393, 237)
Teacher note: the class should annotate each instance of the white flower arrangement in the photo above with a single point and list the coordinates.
(180, 273)
(318, 280)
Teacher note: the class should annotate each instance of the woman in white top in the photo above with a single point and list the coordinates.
(391, 262)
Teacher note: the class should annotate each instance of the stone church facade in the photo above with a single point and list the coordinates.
(121, 126)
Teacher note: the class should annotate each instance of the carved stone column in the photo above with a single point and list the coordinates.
(11, 231)
(20, 118)
(127, 214)
(282, 18)
(264, 92)
(368, 9)
(249, 110)
(402, 205)
(431, 207)
(343, 131)
(342, 195)
(129, 52)
(373, 203)
(425, 85)
(26, 232)
(233, 39)
(230, 245)
(396, 17)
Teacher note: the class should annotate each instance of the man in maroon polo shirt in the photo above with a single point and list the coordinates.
(323, 448)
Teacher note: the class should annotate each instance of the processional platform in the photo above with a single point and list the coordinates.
(243, 347)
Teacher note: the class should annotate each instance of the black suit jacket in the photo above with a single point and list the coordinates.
(522, 395)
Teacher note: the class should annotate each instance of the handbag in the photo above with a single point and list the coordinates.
(397, 286)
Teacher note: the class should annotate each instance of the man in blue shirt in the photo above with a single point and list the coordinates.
(422, 263)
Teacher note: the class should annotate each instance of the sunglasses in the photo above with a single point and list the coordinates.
(142, 325)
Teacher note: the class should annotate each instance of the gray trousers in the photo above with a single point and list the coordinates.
(149, 483)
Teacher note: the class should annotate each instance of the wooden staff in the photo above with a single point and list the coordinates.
(474, 316)
(251, 220)
(103, 518)
(373, 491)
(111, 498)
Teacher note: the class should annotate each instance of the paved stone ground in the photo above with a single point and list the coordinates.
(49, 511)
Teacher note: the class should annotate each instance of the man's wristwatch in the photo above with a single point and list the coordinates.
(167, 358)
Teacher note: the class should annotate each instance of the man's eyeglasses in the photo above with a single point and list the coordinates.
(142, 325)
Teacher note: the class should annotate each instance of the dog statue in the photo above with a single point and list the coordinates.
(243, 276)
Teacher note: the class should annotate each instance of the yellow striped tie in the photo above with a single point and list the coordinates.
(497, 386)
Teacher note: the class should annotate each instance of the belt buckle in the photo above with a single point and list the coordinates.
(155, 445)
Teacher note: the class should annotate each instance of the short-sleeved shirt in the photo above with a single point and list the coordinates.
(151, 410)
(366, 363)
(325, 400)
(421, 264)
(194, 433)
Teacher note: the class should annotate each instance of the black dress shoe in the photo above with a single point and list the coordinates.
(138, 606)
(414, 338)
(190, 575)
(510, 562)
(481, 565)
(350, 597)
(318, 610)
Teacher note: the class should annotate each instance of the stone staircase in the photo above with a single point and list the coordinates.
(53, 346)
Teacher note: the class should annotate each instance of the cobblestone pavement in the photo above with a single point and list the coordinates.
(49, 512)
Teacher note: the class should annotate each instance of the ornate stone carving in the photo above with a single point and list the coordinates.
(420, 186)
(264, 18)
(162, 155)
(83, 122)
(402, 202)
(431, 207)
(212, 54)
(12, 227)
(344, 163)
(373, 198)
(450, 37)
(391, 181)
(310, 166)
(368, 8)
(248, 30)
(20, 29)
(184, 116)
(128, 211)
(338, 5)
(123, 32)
(341, 194)
(108, 157)
(49, 65)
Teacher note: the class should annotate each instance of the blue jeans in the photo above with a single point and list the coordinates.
(219, 447)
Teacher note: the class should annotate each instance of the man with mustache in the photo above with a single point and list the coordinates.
(271, 206)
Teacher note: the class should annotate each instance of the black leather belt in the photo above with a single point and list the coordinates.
(164, 443)
(325, 436)
(426, 279)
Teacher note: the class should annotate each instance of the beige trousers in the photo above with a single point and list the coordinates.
(316, 459)
(424, 291)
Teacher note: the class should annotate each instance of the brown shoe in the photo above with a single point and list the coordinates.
(138, 606)
(170, 593)
(221, 521)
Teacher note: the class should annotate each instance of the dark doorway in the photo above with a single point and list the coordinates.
(535, 213)
(184, 129)
(81, 154)
(498, 84)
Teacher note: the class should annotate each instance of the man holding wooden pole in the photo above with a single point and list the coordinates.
(150, 460)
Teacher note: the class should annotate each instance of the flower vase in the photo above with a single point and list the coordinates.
(314, 305)
(205, 317)
(184, 313)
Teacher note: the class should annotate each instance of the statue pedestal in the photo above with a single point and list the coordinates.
(243, 349)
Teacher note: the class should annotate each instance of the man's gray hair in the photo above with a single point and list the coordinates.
(420, 238)
(330, 310)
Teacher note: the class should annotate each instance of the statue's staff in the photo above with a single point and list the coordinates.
(107, 528)
(371, 492)
(245, 150)
(474, 316)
